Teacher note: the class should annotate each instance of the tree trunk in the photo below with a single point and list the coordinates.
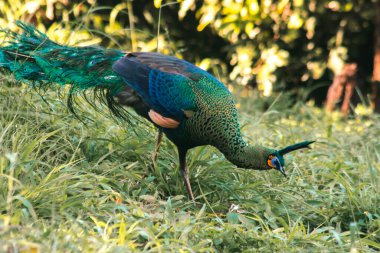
(375, 97)
(345, 80)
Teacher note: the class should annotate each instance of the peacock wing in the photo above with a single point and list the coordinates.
(165, 83)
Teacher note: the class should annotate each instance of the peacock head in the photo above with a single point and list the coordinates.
(276, 159)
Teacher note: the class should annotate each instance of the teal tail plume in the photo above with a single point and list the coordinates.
(35, 59)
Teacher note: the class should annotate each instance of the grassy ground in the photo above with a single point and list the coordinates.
(62, 181)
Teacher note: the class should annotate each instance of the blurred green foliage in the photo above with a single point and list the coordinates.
(274, 45)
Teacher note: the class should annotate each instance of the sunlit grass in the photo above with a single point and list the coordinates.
(62, 181)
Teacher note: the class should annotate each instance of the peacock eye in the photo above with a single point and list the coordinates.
(271, 161)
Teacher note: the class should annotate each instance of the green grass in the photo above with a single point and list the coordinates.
(60, 180)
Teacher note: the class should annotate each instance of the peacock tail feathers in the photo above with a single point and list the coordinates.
(35, 59)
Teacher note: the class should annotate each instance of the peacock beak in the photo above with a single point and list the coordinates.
(280, 168)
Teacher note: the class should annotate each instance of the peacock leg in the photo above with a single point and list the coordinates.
(185, 171)
(158, 145)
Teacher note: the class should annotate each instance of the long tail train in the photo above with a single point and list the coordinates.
(35, 59)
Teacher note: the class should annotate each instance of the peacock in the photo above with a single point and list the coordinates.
(189, 105)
